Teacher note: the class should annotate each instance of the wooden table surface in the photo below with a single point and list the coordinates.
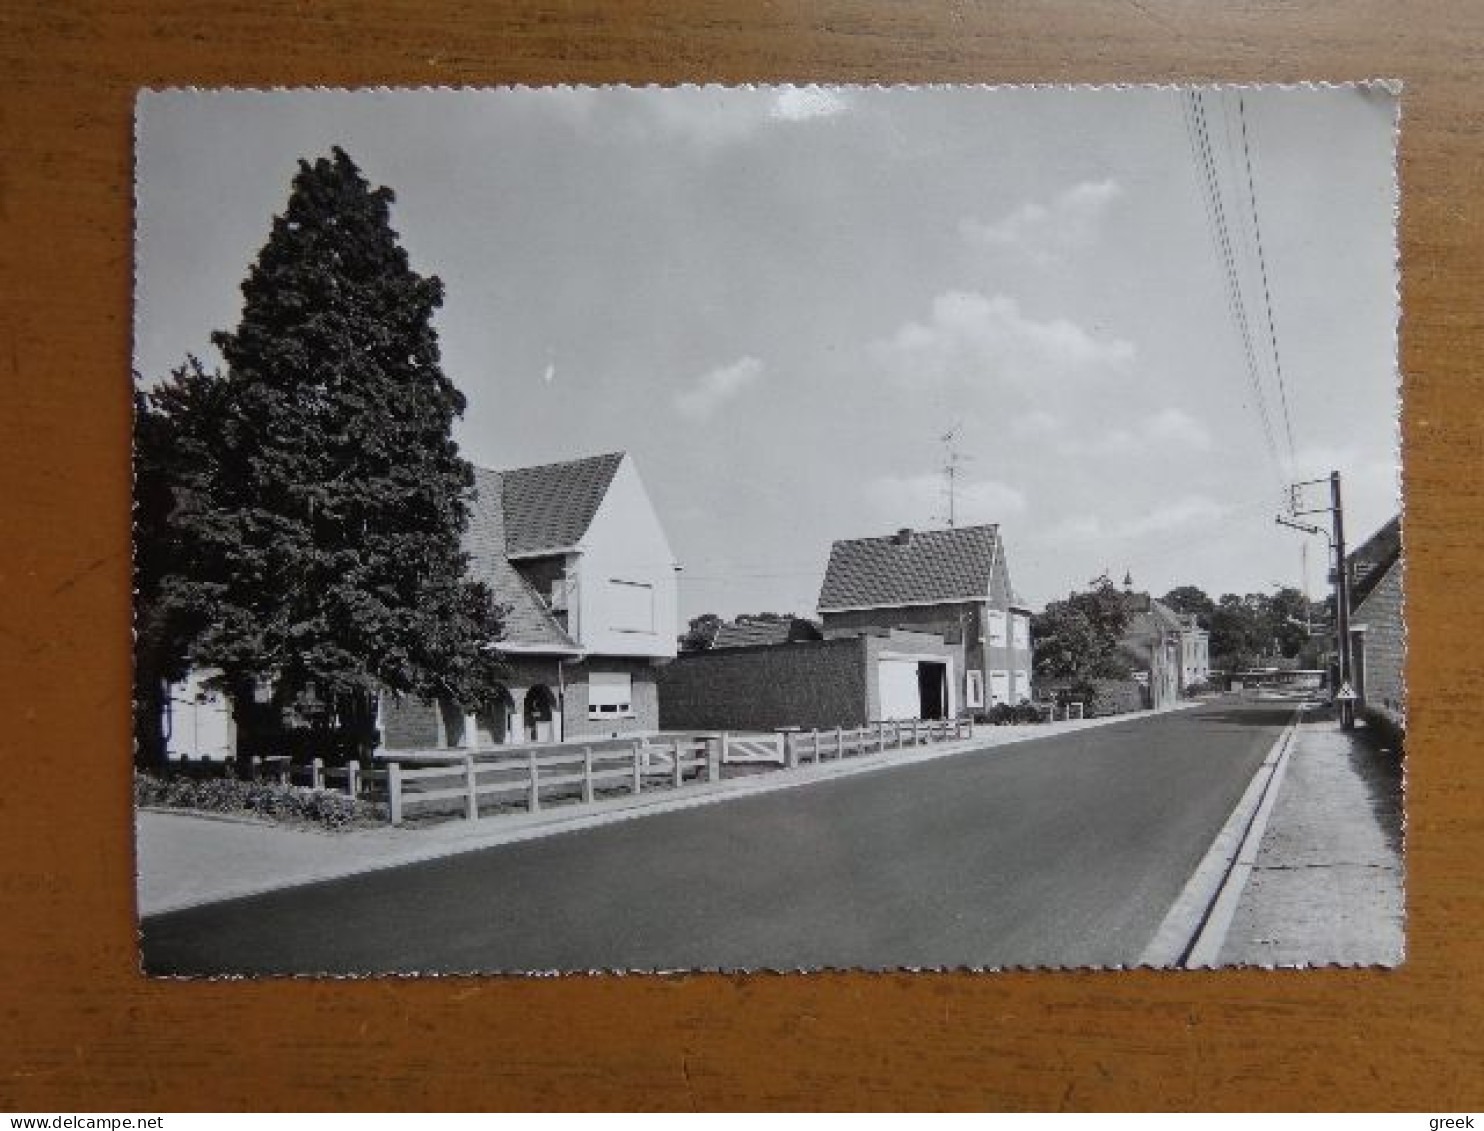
(82, 1030)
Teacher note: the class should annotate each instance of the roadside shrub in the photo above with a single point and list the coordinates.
(1199, 688)
(286, 803)
(1004, 714)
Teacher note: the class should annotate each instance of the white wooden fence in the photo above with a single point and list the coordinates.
(473, 776)
(792, 747)
(349, 778)
(529, 777)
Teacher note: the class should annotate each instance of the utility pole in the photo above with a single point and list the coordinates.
(1340, 575)
(1342, 598)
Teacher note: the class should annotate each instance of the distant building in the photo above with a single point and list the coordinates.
(954, 583)
(845, 680)
(1378, 635)
(1168, 651)
(579, 563)
(744, 632)
(912, 625)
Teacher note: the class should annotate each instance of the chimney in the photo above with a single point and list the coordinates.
(903, 536)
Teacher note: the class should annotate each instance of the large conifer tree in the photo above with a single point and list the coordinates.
(324, 542)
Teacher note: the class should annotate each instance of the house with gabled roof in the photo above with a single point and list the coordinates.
(912, 625)
(1378, 633)
(1152, 647)
(583, 573)
(954, 583)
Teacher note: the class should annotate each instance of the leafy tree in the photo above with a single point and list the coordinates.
(321, 533)
(1236, 635)
(1191, 601)
(1078, 638)
(1066, 642)
(175, 434)
(1291, 618)
(1107, 610)
(701, 634)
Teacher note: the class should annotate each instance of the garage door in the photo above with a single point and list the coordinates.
(899, 694)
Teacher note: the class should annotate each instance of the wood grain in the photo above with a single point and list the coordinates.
(82, 1030)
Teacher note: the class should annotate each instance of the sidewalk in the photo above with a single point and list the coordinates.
(1326, 883)
(185, 859)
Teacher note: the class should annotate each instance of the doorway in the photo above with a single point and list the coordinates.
(932, 690)
(539, 714)
(495, 723)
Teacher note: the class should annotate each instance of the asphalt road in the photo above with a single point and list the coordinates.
(1066, 851)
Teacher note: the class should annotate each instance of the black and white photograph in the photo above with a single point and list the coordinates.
(774, 528)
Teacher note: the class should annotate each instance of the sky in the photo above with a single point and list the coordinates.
(780, 301)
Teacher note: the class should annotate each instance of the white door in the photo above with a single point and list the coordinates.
(999, 687)
(899, 695)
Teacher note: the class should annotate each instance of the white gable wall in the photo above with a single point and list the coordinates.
(626, 584)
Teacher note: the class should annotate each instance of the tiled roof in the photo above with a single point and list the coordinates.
(526, 619)
(550, 507)
(1370, 560)
(1148, 617)
(928, 567)
(749, 633)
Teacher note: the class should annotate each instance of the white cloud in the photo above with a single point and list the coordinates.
(1036, 423)
(1048, 233)
(716, 116)
(921, 500)
(1152, 435)
(1172, 426)
(715, 387)
(1191, 511)
(971, 338)
(800, 103)
(708, 116)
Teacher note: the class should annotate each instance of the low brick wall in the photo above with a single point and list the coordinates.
(815, 683)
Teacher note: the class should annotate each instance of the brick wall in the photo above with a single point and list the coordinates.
(1385, 646)
(408, 723)
(819, 683)
(412, 724)
(644, 699)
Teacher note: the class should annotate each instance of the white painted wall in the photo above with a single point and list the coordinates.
(898, 688)
(199, 722)
(625, 576)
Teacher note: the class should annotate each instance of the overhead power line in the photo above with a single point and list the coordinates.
(1267, 293)
(1198, 132)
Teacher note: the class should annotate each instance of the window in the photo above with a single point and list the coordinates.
(974, 691)
(558, 600)
(999, 687)
(1022, 629)
(610, 695)
(1022, 685)
(996, 628)
(631, 606)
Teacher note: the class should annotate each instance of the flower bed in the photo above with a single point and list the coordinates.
(284, 803)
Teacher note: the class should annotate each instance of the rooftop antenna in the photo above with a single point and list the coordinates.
(953, 459)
